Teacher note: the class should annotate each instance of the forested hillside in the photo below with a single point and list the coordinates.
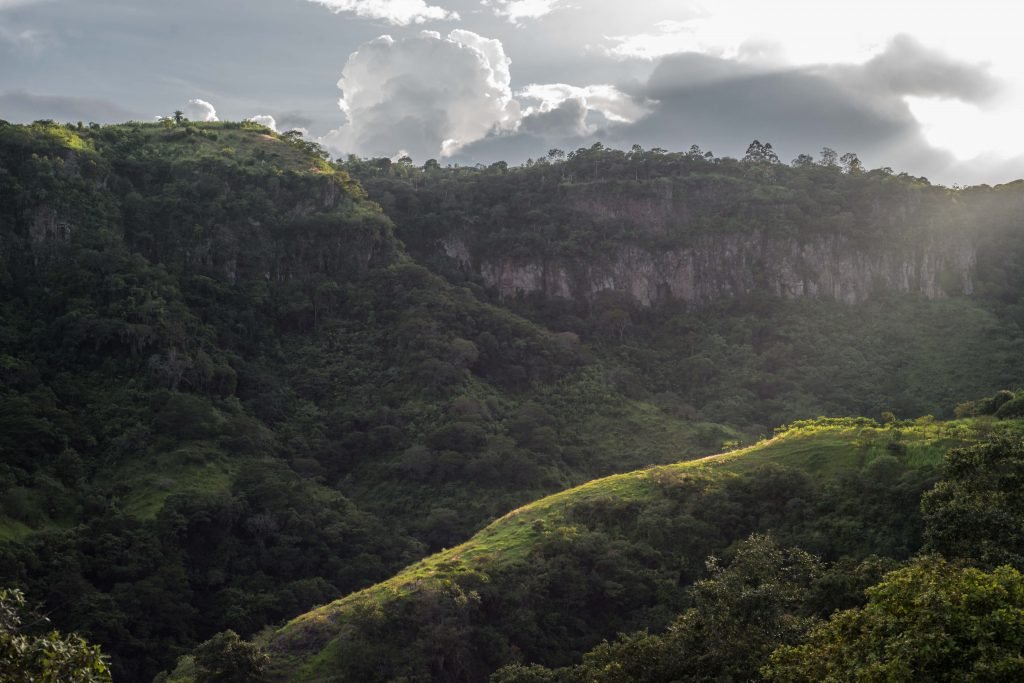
(238, 381)
(735, 555)
(720, 287)
(229, 395)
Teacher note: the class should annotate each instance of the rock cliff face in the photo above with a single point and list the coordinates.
(722, 267)
(836, 262)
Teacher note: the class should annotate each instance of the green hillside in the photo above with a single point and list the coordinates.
(375, 632)
(210, 338)
(236, 384)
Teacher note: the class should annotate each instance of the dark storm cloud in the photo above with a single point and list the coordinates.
(23, 107)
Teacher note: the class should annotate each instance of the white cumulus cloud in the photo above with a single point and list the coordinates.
(518, 10)
(199, 110)
(427, 94)
(265, 120)
(397, 12)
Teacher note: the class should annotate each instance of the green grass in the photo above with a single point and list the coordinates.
(824, 451)
(245, 145)
(195, 468)
(13, 530)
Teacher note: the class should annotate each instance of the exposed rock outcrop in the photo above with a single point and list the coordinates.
(719, 267)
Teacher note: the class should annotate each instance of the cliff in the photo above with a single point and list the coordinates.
(719, 267)
(701, 239)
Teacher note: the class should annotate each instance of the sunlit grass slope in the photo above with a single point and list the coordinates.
(823, 449)
(245, 143)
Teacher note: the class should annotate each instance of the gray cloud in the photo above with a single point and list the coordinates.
(567, 119)
(21, 107)
(722, 104)
(291, 120)
(797, 110)
(11, 4)
(908, 68)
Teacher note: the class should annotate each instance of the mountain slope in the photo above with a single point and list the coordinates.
(550, 579)
(210, 338)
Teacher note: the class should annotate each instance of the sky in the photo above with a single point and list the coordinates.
(934, 89)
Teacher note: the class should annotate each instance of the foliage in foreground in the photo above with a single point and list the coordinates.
(49, 657)
(977, 511)
(930, 620)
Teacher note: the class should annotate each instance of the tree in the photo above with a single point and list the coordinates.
(851, 164)
(179, 117)
(829, 157)
(226, 658)
(977, 511)
(803, 161)
(741, 614)
(930, 621)
(50, 657)
(761, 153)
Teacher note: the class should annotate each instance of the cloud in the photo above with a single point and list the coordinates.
(24, 39)
(427, 94)
(729, 103)
(563, 109)
(199, 110)
(909, 107)
(669, 37)
(21, 107)
(431, 95)
(563, 120)
(722, 104)
(907, 67)
(397, 12)
(265, 120)
(11, 4)
(517, 10)
(293, 120)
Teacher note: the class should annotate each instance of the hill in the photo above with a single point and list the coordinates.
(232, 387)
(737, 291)
(549, 580)
(210, 338)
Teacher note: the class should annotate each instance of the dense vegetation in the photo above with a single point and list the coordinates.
(549, 581)
(755, 360)
(766, 616)
(228, 395)
(28, 653)
(231, 389)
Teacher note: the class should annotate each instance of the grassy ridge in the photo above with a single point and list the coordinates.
(310, 644)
